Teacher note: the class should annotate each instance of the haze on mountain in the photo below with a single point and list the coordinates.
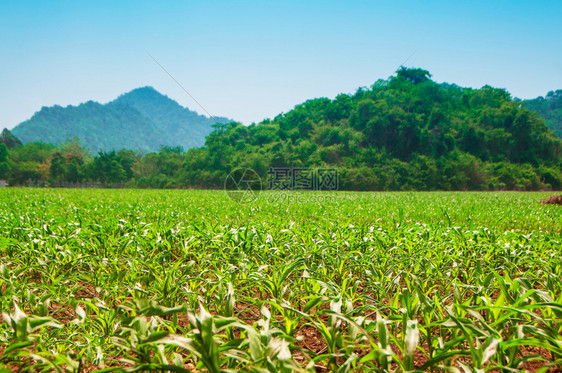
(141, 120)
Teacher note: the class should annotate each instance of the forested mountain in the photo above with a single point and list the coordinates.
(550, 108)
(407, 132)
(404, 133)
(142, 120)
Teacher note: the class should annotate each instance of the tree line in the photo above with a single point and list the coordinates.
(404, 133)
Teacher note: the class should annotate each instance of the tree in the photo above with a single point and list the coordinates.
(9, 139)
(107, 169)
(3, 152)
(73, 147)
(404, 133)
(4, 165)
(57, 169)
(74, 169)
(414, 76)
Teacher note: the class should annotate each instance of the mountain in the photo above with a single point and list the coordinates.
(143, 120)
(550, 108)
(404, 133)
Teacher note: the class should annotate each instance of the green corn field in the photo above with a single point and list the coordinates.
(185, 280)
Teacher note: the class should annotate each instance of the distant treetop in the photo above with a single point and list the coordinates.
(414, 76)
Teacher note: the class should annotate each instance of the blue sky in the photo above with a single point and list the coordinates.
(251, 60)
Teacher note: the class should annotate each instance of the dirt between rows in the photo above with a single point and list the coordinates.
(310, 339)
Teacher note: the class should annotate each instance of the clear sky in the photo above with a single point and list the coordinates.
(250, 60)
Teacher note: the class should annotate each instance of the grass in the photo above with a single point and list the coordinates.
(129, 280)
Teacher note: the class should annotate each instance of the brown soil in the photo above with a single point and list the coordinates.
(554, 200)
(86, 290)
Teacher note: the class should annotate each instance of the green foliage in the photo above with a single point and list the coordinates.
(3, 152)
(402, 134)
(152, 280)
(405, 133)
(549, 108)
(4, 165)
(112, 167)
(414, 76)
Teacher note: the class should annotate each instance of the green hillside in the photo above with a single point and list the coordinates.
(550, 108)
(404, 133)
(142, 119)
